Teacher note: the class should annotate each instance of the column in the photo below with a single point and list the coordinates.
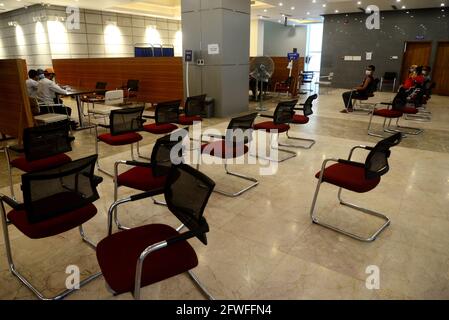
(208, 25)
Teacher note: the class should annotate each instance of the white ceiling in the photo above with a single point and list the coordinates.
(295, 9)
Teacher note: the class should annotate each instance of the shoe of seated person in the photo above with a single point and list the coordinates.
(346, 110)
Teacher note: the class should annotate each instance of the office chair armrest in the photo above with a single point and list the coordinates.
(266, 116)
(387, 103)
(106, 126)
(298, 109)
(324, 165)
(12, 203)
(351, 153)
(149, 117)
(352, 163)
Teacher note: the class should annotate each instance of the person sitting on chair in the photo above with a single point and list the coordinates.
(426, 71)
(47, 93)
(360, 91)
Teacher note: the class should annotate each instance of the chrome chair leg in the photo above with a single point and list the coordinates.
(241, 176)
(23, 279)
(8, 163)
(371, 238)
(309, 146)
(203, 289)
(406, 130)
(139, 155)
(290, 153)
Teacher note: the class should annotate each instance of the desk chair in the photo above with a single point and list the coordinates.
(151, 176)
(356, 177)
(302, 120)
(55, 201)
(165, 116)
(124, 125)
(231, 146)
(280, 123)
(192, 111)
(139, 257)
(132, 89)
(388, 78)
(44, 147)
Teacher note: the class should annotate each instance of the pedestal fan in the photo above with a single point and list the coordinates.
(261, 69)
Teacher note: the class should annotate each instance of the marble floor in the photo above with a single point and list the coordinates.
(263, 245)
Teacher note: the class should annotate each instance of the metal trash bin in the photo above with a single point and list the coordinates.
(209, 107)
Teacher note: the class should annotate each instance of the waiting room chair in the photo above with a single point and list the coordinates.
(307, 79)
(284, 86)
(123, 127)
(55, 201)
(192, 111)
(44, 146)
(356, 177)
(149, 254)
(388, 78)
(165, 116)
(302, 120)
(283, 116)
(231, 146)
(132, 89)
(149, 176)
(359, 105)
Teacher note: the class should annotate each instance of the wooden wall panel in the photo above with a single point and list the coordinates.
(15, 112)
(161, 79)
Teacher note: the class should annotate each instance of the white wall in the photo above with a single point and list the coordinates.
(280, 40)
(257, 37)
(101, 34)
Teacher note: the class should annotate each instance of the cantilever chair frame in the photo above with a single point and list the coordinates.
(310, 141)
(317, 221)
(12, 268)
(154, 247)
(254, 181)
(386, 127)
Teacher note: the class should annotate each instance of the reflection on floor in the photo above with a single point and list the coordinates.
(263, 245)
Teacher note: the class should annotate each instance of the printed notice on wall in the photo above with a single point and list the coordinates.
(369, 56)
(213, 49)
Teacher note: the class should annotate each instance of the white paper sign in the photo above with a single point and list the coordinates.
(348, 58)
(357, 58)
(213, 49)
(369, 56)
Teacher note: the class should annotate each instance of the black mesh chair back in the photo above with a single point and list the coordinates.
(309, 104)
(400, 100)
(194, 105)
(133, 85)
(60, 190)
(45, 141)
(167, 112)
(164, 155)
(376, 164)
(389, 76)
(126, 120)
(284, 112)
(240, 129)
(374, 86)
(187, 193)
(101, 88)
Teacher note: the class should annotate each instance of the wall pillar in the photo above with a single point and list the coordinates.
(224, 76)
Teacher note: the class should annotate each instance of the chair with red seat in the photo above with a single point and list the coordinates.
(149, 176)
(231, 146)
(55, 201)
(44, 147)
(388, 114)
(301, 120)
(400, 103)
(281, 119)
(165, 116)
(123, 127)
(357, 177)
(358, 103)
(149, 254)
(193, 109)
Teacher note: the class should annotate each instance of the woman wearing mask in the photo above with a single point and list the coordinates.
(360, 91)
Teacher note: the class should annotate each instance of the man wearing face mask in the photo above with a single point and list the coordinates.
(48, 91)
(360, 91)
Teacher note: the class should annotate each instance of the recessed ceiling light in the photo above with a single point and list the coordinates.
(2, 4)
(359, 2)
(265, 10)
(324, 5)
(293, 8)
(442, 4)
(280, 4)
(308, 13)
(403, 7)
(336, 11)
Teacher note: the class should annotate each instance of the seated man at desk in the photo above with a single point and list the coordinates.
(360, 91)
(48, 92)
